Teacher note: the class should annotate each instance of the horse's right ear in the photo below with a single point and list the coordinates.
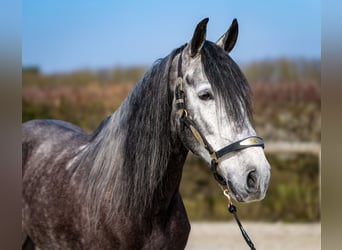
(228, 40)
(195, 45)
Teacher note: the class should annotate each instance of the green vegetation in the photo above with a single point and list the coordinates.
(286, 99)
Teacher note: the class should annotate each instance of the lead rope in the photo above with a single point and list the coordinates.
(232, 209)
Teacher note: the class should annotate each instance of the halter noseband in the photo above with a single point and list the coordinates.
(216, 155)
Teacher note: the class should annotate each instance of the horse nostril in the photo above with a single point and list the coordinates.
(252, 181)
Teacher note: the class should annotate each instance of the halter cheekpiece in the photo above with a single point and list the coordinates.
(216, 155)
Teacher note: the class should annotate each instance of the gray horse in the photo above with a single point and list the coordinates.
(118, 188)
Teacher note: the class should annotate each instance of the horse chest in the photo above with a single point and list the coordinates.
(167, 230)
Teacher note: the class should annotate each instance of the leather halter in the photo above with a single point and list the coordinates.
(216, 155)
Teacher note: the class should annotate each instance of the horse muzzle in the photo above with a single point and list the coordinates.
(250, 186)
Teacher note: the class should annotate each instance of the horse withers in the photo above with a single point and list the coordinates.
(118, 188)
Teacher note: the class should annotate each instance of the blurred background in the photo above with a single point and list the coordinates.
(81, 59)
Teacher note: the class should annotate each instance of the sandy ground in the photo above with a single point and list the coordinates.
(217, 236)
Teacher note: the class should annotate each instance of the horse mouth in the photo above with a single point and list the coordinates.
(234, 193)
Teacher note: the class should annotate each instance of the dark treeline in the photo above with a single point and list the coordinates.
(281, 70)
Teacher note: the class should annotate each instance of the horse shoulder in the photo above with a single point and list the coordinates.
(48, 146)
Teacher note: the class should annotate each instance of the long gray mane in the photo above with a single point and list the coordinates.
(127, 156)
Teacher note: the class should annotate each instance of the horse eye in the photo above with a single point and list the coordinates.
(205, 96)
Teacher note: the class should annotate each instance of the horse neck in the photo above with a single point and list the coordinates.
(169, 182)
(138, 157)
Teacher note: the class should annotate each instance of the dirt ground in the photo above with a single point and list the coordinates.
(223, 236)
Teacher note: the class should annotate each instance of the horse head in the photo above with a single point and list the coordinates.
(212, 98)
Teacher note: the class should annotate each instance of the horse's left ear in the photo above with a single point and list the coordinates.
(228, 40)
(198, 38)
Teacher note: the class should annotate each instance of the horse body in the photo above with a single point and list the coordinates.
(54, 215)
(118, 188)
